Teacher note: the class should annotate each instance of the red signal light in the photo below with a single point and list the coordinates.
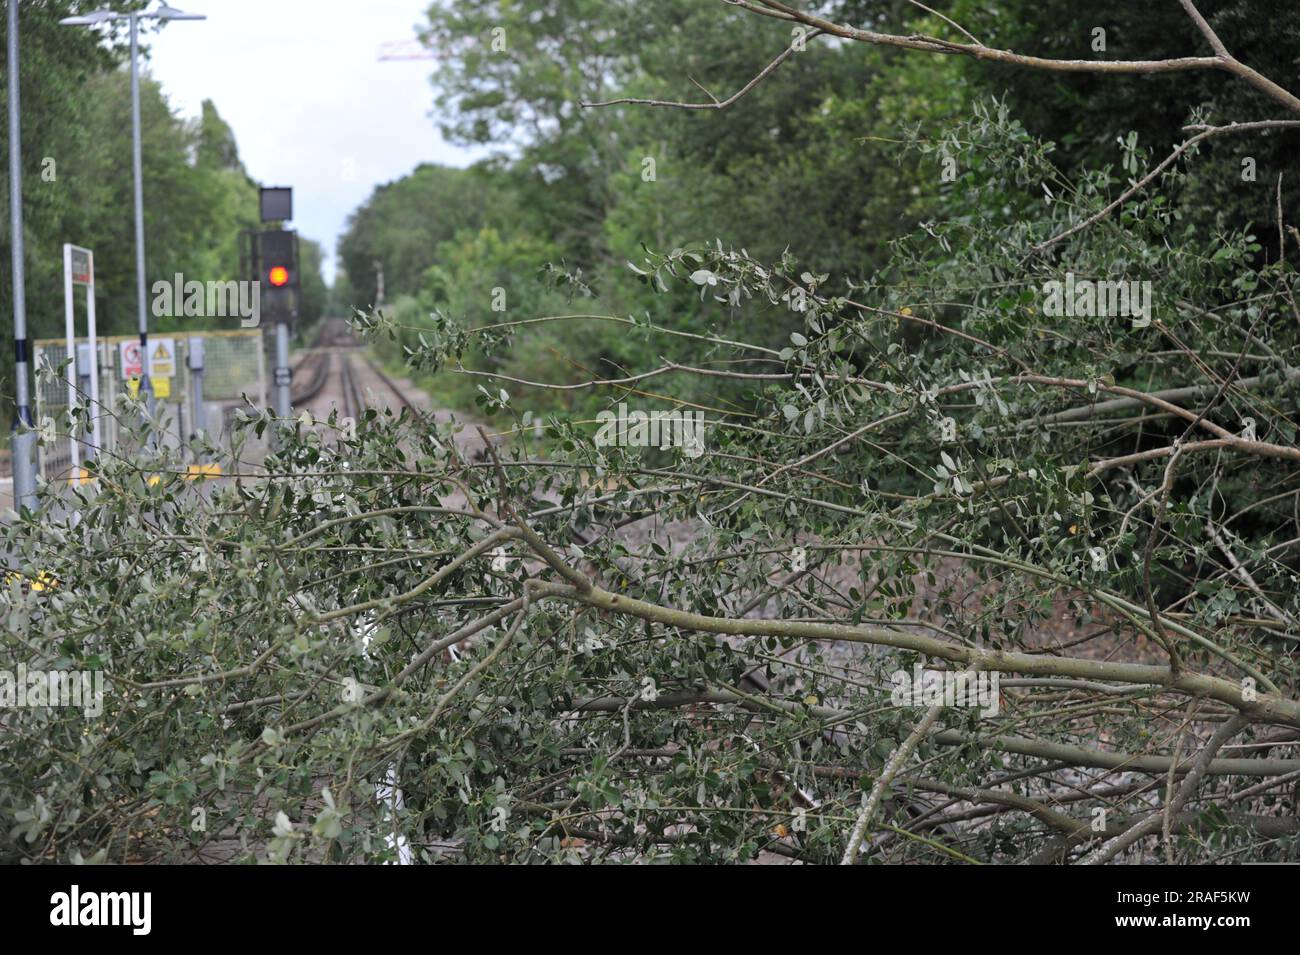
(279, 276)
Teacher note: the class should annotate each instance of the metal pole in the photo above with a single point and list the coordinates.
(283, 409)
(146, 388)
(23, 442)
(85, 384)
(200, 422)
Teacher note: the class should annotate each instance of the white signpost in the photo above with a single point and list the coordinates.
(79, 269)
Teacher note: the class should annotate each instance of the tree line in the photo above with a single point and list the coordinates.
(77, 181)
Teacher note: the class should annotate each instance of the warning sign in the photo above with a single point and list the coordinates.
(162, 357)
(132, 360)
(162, 387)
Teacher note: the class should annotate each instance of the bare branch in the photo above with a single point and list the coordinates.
(716, 103)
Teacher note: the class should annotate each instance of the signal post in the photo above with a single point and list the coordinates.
(273, 264)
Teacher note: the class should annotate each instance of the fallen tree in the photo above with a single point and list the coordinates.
(371, 647)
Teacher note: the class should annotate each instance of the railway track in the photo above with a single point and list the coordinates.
(353, 400)
(330, 355)
(354, 397)
(388, 382)
(317, 363)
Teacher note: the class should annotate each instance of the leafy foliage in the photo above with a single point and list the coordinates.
(594, 650)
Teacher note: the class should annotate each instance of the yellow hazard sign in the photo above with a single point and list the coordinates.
(162, 387)
(162, 358)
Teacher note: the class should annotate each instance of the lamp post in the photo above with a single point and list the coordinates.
(164, 12)
(23, 443)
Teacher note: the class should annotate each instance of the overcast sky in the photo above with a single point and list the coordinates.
(300, 84)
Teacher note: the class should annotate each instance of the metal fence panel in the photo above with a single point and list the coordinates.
(234, 366)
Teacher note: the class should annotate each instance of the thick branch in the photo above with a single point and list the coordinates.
(1265, 708)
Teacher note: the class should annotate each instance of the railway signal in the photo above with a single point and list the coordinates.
(270, 258)
(276, 258)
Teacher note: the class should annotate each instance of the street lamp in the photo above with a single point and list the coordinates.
(164, 12)
(90, 19)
